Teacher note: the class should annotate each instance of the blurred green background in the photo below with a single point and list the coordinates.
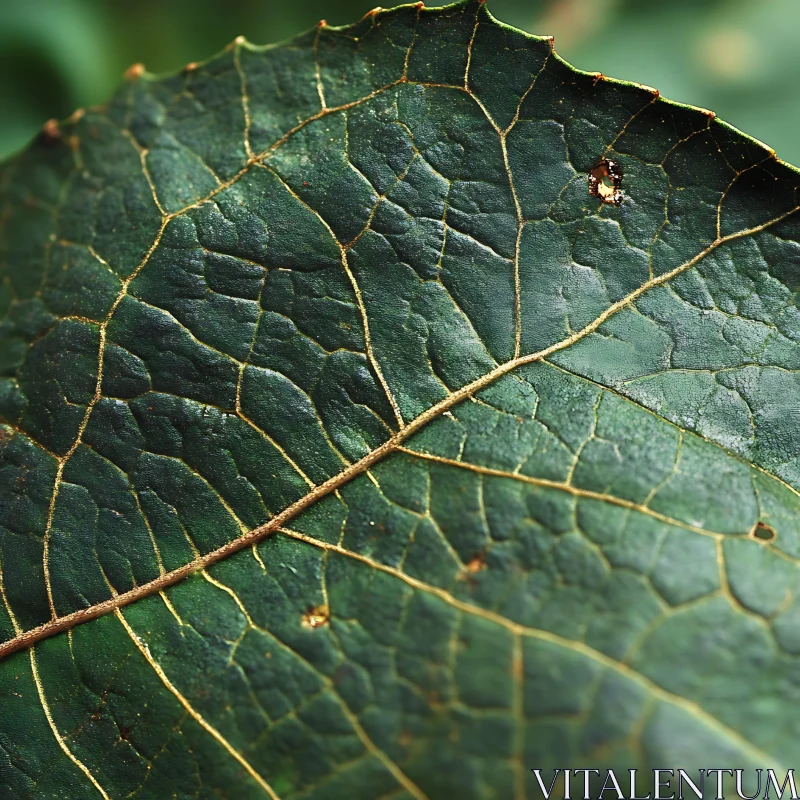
(739, 58)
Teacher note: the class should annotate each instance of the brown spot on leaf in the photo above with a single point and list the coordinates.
(476, 563)
(134, 72)
(50, 133)
(605, 178)
(469, 572)
(316, 617)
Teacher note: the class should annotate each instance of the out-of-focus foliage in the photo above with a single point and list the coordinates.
(736, 57)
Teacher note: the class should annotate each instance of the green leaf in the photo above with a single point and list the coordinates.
(352, 448)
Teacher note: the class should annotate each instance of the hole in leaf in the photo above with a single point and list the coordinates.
(763, 532)
(316, 617)
(605, 178)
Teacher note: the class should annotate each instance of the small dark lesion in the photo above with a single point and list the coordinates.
(762, 532)
(605, 179)
(476, 564)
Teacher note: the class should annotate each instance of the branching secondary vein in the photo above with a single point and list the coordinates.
(518, 630)
(193, 713)
(391, 445)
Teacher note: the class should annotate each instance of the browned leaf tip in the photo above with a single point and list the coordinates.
(50, 133)
(134, 72)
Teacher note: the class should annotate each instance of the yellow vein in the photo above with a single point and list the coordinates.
(370, 746)
(4, 598)
(562, 487)
(362, 309)
(737, 174)
(530, 88)
(520, 226)
(419, 6)
(258, 157)
(94, 253)
(469, 50)
(142, 151)
(240, 379)
(723, 572)
(397, 181)
(698, 434)
(375, 751)
(51, 722)
(62, 462)
(655, 95)
(317, 70)
(238, 42)
(222, 185)
(156, 549)
(218, 495)
(691, 707)
(193, 713)
(43, 700)
(236, 599)
(373, 360)
(67, 621)
(171, 608)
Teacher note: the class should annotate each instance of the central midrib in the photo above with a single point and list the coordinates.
(34, 635)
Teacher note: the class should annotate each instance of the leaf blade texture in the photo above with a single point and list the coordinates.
(351, 447)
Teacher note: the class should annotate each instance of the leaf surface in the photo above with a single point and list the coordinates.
(352, 448)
